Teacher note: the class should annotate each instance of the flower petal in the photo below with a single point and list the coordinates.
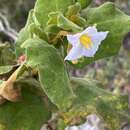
(90, 30)
(96, 40)
(78, 50)
(85, 126)
(72, 128)
(75, 53)
(93, 119)
(90, 52)
(99, 37)
(73, 39)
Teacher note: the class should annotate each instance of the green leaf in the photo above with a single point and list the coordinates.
(30, 30)
(24, 34)
(66, 24)
(107, 18)
(5, 69)
(44, 7)
(7, 55)
(28, 114)
(61, 125)
(73, 9)
(73, 14)
(52, 32)
(84, 3)
(92, 99)
(37, 31)
(52, 72)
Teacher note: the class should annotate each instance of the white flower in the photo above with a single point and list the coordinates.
(93, 122)
(85, 43)
(72, 128)
(85, 126)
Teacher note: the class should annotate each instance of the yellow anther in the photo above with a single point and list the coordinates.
(75, 61)
(86, 41)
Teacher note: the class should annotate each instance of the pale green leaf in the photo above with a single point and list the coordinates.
(5, 69)
(52, 72)
(92, 99)
(66, 24)
(44, 7)
(7, 54)
(24, 34)
(30, 30)
(84, 3)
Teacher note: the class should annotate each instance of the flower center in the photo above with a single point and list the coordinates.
(86, 41)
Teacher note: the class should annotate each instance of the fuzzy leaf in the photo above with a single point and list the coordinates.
(92, 99)
(66, 24)
(7, 55)
(5, 69)
(24, 34)
(52, 73)
(42, 9)
(28, 114)
(30, 30)
(73, 14)
(84, 3)
(73, 10)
